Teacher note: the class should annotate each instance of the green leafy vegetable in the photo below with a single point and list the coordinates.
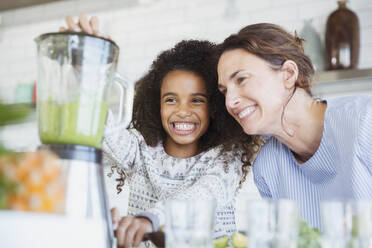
(10, 114)
(308, 237)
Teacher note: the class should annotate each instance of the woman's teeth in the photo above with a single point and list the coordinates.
(247, 111)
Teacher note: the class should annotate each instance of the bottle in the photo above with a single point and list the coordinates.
(342, 39)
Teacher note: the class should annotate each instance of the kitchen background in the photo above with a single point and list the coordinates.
(143, 28)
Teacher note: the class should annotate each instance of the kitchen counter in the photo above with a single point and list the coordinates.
(36, 230)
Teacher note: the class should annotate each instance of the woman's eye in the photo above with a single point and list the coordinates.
(222, 90)
(240, 80)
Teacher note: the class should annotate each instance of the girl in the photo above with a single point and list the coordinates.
(182, 143)
(315, 150)
(174, 149)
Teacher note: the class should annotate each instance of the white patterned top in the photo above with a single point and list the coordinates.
(154, 176)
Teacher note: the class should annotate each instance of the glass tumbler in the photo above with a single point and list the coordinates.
(189, 223)
(361, 227)
(336, 223)
(286, 224)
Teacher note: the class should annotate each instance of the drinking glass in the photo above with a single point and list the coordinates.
(336, 222)
(270, 223)
(189, 223)
(361, 227)
(286, 224)
(258, 223)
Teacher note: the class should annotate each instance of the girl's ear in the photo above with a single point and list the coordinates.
(290, 73)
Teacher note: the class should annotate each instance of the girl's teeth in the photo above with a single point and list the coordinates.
(247, 111)
(184, 126)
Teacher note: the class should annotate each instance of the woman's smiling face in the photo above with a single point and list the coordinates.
(255, 94)
(184, 107)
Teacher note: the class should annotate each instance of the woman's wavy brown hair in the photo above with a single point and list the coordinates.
(275, 45)
(200, 58)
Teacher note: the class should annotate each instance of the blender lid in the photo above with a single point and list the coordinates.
(76, 152)
(43, 36)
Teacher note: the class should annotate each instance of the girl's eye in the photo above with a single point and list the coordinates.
(170, 100)
(198, 100)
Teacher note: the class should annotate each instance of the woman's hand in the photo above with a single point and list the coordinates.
(89, 26)
(131, 231)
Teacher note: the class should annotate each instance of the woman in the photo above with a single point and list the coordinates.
(315, 150)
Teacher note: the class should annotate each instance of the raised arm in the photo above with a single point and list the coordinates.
(121, 149)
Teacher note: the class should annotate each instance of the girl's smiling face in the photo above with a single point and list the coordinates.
(184, 108)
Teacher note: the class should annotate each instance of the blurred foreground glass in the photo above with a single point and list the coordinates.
(286, 224)
(270, 224)
(336, 220)
(189, 223)
(361, 227)
(346, 224)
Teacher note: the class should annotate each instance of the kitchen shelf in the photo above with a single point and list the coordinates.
(340, 75)
(330, 84)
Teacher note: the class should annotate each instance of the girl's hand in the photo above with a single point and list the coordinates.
(115, 217)
(89, 26)
(131, 231)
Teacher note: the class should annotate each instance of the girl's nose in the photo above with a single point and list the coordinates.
(183, 111)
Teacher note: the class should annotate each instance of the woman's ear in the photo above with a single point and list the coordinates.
(290, 73)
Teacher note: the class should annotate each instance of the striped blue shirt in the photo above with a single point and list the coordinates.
(341, 168)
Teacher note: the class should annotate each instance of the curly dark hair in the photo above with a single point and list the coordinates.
(200, 58)
(189, 55)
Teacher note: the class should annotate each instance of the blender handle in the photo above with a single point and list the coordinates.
(126, 99)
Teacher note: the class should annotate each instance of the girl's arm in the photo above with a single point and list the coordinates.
(121, 148)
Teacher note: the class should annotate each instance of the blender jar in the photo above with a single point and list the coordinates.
(75, 73)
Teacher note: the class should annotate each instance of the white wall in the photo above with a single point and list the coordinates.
(143, 28)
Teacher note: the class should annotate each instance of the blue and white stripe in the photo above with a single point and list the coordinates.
(340, 169)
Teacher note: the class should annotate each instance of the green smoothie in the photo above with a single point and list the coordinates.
(80, 122)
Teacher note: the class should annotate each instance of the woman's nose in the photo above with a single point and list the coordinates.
(232, 100)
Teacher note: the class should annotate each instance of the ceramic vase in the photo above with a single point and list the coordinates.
(313, 46)
(342, 39)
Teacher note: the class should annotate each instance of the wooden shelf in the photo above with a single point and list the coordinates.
(340, 75)
(328, 84)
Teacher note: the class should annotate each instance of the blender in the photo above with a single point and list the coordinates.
(76, 76)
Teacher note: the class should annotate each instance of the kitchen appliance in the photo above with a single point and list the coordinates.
(76, 74)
